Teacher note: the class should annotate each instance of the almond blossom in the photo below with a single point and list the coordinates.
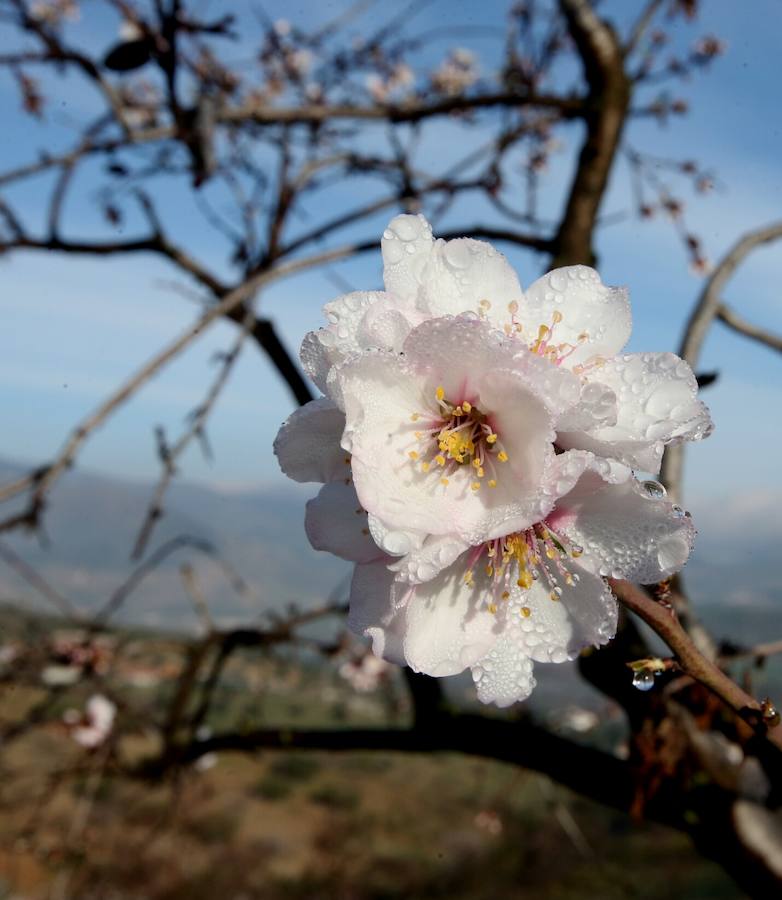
(94, 727)
(476, 445)
(536, 594)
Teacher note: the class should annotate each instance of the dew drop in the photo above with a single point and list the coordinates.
(654, 489)
(643, 680)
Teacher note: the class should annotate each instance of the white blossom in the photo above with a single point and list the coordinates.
(95, 726)
(476, 446)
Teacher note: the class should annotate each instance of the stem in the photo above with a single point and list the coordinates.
(694, 663)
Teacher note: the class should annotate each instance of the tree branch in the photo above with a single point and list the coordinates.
(664, 623)
(755, 332)
(707, 308)
(605, 115)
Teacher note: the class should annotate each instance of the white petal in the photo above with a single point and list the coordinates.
(372, 613)
(588, 307)
(448, 626)
(395, 541)
(596, 407)
(406, 245)
(657, 404)
(625, 532)
(424, 562)
(307, 445)
(335, 522)
(468, 275)
(328, 346)
(504, 676)
(557, 630)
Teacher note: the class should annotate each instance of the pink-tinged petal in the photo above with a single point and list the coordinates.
(466, 275)
(335, 522)
(372, 613)
(525, 425)
(504, 676)
(307, 445)
(657, 404)
(457, 351)
(595, 319)
(557, 630)
(381, 394)
(406, 246)
(447, 625)
(626, 530)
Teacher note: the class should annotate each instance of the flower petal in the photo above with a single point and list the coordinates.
(372, 613)
(557, 630)
(307, 445)
(657, 404)
(335, 522)
(466, 275)
(406, 245)
(448, 626)
(424, 562)
(504, 676)
(587, 306)
(625, 532)
(329, 346)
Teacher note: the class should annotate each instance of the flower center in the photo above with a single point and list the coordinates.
(457, 435)
(522, 558)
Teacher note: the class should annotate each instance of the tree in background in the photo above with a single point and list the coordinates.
(294, 141)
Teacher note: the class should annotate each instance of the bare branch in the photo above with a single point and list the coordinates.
(707, 308)
(607, 105)
(755, 332)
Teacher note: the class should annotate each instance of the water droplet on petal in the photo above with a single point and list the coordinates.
(643, 680)
(654, 489)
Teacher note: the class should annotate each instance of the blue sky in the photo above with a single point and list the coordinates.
(75, 328)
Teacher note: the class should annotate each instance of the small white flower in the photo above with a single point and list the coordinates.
(94, 728)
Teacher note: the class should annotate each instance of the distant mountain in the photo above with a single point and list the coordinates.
(92, 521)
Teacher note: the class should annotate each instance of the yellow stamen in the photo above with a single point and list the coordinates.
(525, 611)
(491, 438)
(502, 456)
(475, 485)
(466, 406)
(525, 580)
(440, 393)
(492, 483)
(413, 454)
